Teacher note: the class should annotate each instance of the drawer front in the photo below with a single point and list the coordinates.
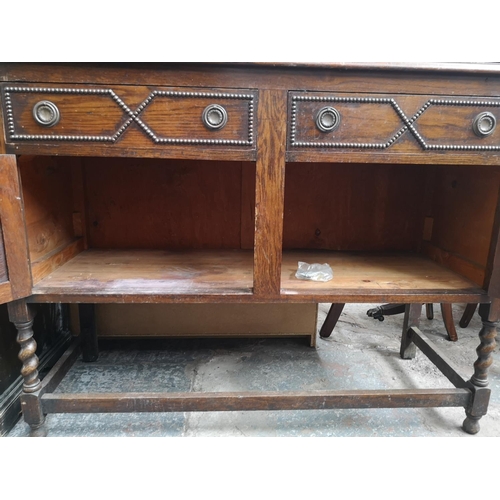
(130, 115)
(394, 123)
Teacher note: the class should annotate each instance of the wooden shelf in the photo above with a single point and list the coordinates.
(204, 276)
(150, 273)
(384, 276)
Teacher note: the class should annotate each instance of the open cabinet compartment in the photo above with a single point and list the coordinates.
(390, 231)
(135, 228)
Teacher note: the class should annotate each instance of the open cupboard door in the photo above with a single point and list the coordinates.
(15, 275)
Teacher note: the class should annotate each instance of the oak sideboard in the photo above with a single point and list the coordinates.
(207, 183)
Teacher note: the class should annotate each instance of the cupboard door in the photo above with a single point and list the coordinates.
(15, 276)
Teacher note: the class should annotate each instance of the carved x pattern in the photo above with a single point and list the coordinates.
(408, 123)
(133, 116)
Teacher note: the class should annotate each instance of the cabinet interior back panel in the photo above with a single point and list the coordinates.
(354, 207)
(166, 204)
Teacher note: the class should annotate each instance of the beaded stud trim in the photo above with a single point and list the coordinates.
(133, 116)
(408, 123)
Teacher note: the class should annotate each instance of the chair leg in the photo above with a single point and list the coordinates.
(449, 324)
(429, 311)
(331, 320)
(470, 309)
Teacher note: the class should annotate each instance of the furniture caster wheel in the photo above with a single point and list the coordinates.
(375, 313)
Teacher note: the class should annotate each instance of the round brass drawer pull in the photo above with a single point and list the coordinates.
(46, 113)
(327, 119)
(484, 124)
(214, 117)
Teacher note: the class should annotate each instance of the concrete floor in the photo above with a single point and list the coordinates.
(362, 353)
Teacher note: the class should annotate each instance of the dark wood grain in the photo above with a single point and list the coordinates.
(461, 80)
(470, 270)
(14, 229)
(411, 319)
(88, 332)
(48, 204)
(94, 114)
(479, 381)
(133, 220)
(404, 158)
(22, 315)
(247, 205)
(134, 151)
(372, 120)
(463, 211)
(55, 259)
(151, 273)
(207, 276)
(163, 204)
(239, 401)
(492, 274)
(270, 187)
(372, 271)
(353, 207)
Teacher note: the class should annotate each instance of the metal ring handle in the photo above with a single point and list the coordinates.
(214, 117)
(46, 113)
(327, 119)
(484, 124)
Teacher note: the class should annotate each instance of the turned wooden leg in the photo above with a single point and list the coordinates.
(479, 380)
(88, 332)
(331, 320)
(22, 315)
(412, 318)
(449, 324)
(470, 309)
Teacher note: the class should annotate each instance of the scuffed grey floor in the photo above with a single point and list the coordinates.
(362, 353)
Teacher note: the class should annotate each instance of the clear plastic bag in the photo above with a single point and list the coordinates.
(314, 272)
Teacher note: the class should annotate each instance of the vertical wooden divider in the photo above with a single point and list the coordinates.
(14, 228)
(269, 191)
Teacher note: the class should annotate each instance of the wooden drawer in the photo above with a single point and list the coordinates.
(130, 116)
(393, 123)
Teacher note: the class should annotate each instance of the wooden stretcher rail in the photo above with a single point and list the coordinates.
(248, 401)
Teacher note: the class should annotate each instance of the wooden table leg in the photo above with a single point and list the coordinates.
(22, 315)
(412, 318)
(479, 381)
(88, 332)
